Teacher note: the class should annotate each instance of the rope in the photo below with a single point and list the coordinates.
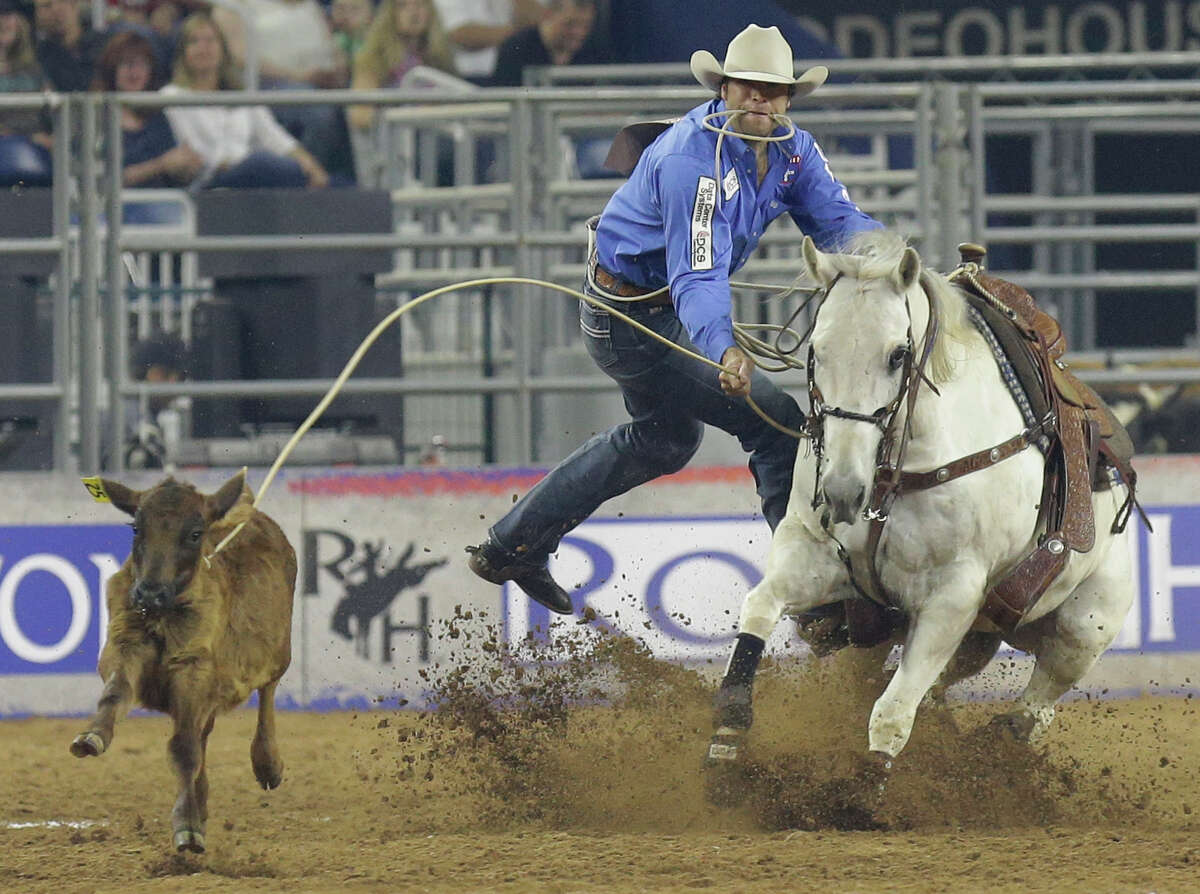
(779, 359)
(387, 321)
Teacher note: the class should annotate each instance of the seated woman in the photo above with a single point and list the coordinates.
(150, 155)
(403, 35)
(241, 145)
(24, 137)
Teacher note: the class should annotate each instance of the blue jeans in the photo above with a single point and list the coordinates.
(262, 170)
(669, 397)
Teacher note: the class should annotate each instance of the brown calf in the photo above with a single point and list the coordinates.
(192, 639)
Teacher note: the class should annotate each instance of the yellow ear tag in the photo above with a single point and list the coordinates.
(95, 487)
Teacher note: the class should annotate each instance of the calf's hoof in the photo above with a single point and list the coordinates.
(269, 776)
(88, 745)
(189, 840)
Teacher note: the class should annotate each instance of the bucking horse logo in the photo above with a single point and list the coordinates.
(373, 595)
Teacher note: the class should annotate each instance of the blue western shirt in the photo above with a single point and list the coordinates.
(672, 223)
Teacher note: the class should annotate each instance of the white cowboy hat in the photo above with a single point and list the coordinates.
(756, 54)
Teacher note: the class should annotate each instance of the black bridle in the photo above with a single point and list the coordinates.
(887, 473)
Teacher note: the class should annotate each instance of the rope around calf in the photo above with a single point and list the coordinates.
(781, 359)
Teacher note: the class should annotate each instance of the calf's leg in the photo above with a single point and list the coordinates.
(122, 674)
(186, 749)
(202, 775)
(264, 753)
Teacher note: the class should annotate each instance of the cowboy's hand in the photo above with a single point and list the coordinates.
(735, 377)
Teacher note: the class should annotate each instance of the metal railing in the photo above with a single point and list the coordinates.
(502, 344)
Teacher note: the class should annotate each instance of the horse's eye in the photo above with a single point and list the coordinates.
(134, 526)
(897, 357)
(195, 536)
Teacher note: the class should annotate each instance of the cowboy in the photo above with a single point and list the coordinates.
(664, 249)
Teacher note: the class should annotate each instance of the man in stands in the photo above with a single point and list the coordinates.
(66, 47)
(561, 38)
(476, 28)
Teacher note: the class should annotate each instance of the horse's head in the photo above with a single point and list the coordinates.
(170, 521)
(861, 362)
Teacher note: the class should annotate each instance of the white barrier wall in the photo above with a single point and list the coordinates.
(382, 569)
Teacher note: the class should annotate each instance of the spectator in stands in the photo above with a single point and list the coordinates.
(67, 47)
(403, 35)
(561, 38)
(152, 423)
(134, 15)
(240, 145)
(476, 28)
(349, 21)
(24, 137)
(296, 51)
(150, 154)
(165, 18)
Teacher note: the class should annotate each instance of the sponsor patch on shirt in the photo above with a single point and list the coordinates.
(789, 173)
(702, 219)
(730, 185)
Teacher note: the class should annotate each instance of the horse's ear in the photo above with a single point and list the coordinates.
(817, 262)
(222, 501)
(124, 498)
(910, 268)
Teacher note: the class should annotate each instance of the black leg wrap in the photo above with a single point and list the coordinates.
(744, 663)
(732, 705)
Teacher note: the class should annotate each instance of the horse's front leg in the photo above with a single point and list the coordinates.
(802, 572)
(935, 631)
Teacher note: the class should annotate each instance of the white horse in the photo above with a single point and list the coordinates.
(942, 548)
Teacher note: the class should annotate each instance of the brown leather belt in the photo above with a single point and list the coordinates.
(622, 289)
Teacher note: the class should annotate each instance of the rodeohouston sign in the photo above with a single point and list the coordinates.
(880, 29)
(383, 574)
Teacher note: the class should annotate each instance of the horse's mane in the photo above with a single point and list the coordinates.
(876, 254)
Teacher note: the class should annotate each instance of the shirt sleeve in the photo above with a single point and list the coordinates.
(268, 133)
(454, 13)
(820, 204)
(187, 125)
(698, 250)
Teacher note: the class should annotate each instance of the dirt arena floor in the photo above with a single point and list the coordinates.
(586, 777)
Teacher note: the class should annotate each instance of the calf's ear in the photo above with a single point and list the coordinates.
(222, 501)
(124, 498)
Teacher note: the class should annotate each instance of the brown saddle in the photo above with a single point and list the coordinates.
(1086, 442)
(1086, 439)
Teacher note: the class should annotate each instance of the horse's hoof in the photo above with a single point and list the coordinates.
(724, 774)
(88, 745)
(877, 771)
(733, 706)
(1015, 725)
(189, 840)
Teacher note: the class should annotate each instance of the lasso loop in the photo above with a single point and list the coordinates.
(382, 325)
(779, 359)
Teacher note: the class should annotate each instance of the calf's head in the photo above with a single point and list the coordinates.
(170, 521)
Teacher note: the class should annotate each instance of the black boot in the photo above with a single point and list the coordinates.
(497, 566)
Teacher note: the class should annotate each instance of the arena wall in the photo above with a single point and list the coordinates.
(667, 563)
